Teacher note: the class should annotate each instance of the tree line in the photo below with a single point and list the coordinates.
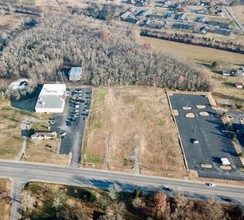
(109, 55)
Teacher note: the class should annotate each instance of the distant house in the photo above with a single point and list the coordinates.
(180, 17)
(183, 26)
(239, 85)
(219, 24)
(201, 19)
(239, 71)
(43, 135)
(75, 73)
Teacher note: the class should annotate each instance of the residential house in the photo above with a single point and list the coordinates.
(180, 17)
(239, 71)
(239, 85)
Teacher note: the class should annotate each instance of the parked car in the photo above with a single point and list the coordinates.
(63, 134)
(210, 184)
(195, 141)
(51, 121)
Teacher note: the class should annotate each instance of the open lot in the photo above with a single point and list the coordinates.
(123, 118)
(203, 140)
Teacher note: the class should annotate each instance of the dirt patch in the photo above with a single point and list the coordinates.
(225, 167)
(186, 108)
(204, 113)
(123, 118)
(209, 166)
(190, 115)
(201, 106)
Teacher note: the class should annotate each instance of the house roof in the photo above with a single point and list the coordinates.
(75, 73)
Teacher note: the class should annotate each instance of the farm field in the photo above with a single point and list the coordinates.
(224, 90)
(122, 118)
(193, 52)
(239, 11)
(5, 187)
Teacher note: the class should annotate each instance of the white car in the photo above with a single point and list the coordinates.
(62, 135)
(211, 184)
(195, 141)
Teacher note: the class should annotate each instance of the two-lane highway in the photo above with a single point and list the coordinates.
(23, 172)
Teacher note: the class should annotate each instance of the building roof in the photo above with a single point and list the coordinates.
(75, 73)
(51, 97)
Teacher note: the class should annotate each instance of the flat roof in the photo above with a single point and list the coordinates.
(75, 73)
(52, 96)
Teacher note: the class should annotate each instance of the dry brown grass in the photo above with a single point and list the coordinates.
(10, 134)
(190, 115)
(44, 151)
(187, 51)
(209, 166)
(204, 113)
(225, 167)
(5, 185)
(201, 106)
(239, 12)
(123, 113)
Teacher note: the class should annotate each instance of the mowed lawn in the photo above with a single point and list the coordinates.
(198, 53)
(122, 118)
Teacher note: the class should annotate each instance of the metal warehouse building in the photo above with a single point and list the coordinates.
(51, 99)
(75, 73)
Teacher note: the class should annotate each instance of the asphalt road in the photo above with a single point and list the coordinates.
(213, 143)
(23, 172)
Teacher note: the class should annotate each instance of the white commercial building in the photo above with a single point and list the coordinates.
(51, 99)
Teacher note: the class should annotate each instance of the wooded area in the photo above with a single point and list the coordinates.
(109, 55)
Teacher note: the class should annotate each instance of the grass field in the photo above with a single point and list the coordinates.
(198, 53)
(124, 117)
(44, 151)
(5, 186)
(10, 134)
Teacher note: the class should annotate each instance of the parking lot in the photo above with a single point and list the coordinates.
(70, 125)
(203, 139)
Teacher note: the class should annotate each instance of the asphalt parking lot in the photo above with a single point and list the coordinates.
(203, 138)
(72, 123)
